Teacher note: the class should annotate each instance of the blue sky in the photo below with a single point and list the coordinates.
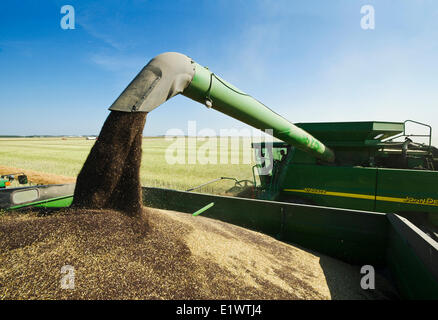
(307, 60)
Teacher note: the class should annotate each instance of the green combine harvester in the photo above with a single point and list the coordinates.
(349, 190)
(371, 171)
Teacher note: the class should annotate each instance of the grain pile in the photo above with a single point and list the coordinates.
(110, 177)
(177, 257)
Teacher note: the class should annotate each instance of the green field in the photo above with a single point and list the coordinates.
(66, 157)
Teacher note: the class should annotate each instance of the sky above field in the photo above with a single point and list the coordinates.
(308, 60)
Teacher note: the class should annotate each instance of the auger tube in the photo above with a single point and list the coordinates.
(172, 73)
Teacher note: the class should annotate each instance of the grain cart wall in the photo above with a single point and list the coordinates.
(356, 237)
(359, 237)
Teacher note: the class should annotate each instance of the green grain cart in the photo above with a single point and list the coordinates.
(337, 188)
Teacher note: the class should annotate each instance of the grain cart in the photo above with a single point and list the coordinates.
(312, 183)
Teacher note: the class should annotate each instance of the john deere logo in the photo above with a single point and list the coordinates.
(426, 201)
(312, 190)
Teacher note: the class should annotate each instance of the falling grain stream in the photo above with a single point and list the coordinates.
(110, 177)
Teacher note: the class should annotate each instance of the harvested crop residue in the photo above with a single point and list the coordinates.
(37, 177)
(177, 256)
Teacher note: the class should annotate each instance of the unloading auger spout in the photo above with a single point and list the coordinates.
(172, 73)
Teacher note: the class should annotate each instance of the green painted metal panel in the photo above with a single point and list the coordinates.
(3, 183)
(58, 202)
(402, 191)
(330, 186)
(352, 131)
(46, 195)
(413, 260)
(356, 237)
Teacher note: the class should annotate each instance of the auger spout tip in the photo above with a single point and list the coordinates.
(165, 76)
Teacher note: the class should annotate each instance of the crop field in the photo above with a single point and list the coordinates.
(65, 156)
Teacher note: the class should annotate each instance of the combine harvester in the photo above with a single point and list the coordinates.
(348, 190)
